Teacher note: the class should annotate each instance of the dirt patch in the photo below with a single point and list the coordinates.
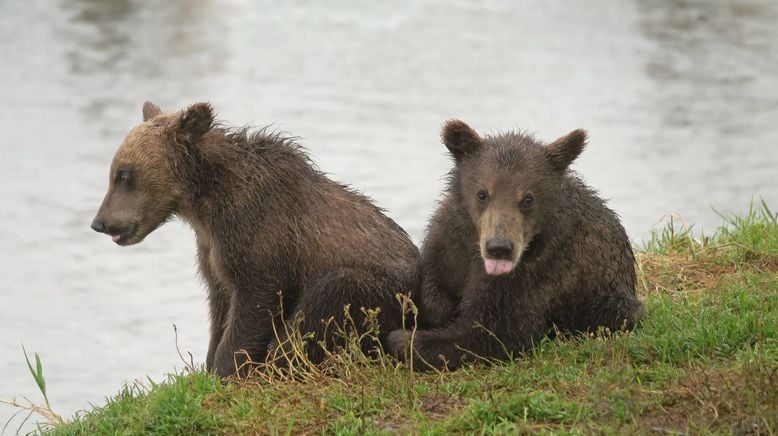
(434, 406)
(716, 399)
(672, 273)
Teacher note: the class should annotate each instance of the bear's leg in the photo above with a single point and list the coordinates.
(218, 302)
(614, 312)
(467, 340)
(461, 341)
(219, 305)
(326, 296)
(435, 307)
(247, 331)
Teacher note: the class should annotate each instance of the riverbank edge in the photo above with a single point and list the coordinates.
(705, 359)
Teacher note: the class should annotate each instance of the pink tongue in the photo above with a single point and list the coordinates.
(496, 267)
(116, 238)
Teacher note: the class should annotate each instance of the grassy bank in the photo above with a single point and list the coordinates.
(705, 359)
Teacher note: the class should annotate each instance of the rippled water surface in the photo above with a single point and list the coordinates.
(680, 99)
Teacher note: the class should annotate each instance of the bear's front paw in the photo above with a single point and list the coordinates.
(223, 362)
(398, 342)
(230, 360)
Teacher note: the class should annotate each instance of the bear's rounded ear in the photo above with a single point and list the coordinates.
(195, 121)
(460, 139)
(150, 110)
(562, 152)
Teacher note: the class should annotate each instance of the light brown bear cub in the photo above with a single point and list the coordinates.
(265, 221)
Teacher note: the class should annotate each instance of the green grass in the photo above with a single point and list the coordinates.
(704, 360)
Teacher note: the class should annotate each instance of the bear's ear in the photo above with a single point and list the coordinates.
(150, 110)
(460, 139)
(195, 122)
(562, 152)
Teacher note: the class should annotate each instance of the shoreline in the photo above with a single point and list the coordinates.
(704, 359)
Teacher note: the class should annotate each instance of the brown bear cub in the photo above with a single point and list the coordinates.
(519, 247)
(266, 221)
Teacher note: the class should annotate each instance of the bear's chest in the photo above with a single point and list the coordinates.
(220, 269)
(213, 261)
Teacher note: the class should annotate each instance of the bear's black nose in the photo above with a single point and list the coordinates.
(499, 248)
(98, 225)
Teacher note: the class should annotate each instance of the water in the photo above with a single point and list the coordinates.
(680, 98)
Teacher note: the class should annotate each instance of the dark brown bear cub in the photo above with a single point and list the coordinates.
(266, 221)
(519, 247)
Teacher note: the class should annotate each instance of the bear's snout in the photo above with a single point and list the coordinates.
(499, 248)
(499, 256)
(122, 235)
(98, 225)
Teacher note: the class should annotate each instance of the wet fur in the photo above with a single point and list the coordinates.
(267, 221)
(576, 274)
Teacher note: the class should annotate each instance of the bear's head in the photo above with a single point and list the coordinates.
(143, 190)
(509, 184)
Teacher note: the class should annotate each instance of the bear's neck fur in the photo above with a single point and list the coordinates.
(226, 164)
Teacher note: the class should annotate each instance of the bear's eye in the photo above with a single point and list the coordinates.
(123, 177)
(482, 196)
(527, 201)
